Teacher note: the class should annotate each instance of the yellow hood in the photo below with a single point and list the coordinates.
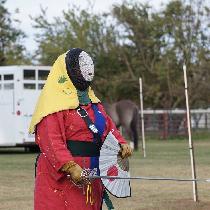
(58, 94)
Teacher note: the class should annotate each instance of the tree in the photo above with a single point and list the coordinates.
(185, 28)
(83, 29)
(159, 43)
(133, 41)
(142, 47)
(11, 49)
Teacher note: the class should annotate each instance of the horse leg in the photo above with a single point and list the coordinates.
(134, 134)
(134, 129)
(129, 134)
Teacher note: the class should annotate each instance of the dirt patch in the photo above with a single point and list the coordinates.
(164, 159)
(182, 204)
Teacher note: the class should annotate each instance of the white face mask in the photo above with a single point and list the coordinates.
(86, 66)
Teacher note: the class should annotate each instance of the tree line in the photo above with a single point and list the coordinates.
(133, 40)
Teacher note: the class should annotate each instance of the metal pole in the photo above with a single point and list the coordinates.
(150, 178)
(195, 191)
(142, 118)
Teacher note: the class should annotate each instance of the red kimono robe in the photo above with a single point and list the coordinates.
(53, 189)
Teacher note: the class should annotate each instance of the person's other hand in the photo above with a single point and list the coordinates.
(75, 173)
(74, 170)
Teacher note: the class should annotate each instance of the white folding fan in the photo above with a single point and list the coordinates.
(112, 165)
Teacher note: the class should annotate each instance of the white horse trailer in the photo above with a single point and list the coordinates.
(20, 87)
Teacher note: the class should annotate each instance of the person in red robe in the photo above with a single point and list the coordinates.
(59, 132)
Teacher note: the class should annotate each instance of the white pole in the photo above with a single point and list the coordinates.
(195, 193)
(142, 118)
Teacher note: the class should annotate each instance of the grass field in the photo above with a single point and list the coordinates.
(164, 159)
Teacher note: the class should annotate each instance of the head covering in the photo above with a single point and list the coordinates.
(58, 93)
(80, 68)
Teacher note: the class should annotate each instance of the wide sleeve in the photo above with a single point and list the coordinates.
(51, 142)
(111, 126)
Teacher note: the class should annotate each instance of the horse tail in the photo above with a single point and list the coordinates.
(134, 127)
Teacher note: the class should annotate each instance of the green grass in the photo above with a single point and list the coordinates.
(197, 135)
(164, 159)
(16, 191)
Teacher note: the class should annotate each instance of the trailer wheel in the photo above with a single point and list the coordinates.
(32, 149)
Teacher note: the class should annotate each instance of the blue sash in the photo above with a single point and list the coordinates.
(100, 124)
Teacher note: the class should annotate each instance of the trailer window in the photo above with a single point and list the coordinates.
(40, 86)
(8, 77)
(42, 74)
(8, 86)
(30, 86)
(0, 77)
(29, 74)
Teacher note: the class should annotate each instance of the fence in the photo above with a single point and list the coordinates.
(172, 123)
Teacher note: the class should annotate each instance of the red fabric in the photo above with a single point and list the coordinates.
(53, 191)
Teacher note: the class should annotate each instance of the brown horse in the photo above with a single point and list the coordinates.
(125, 113)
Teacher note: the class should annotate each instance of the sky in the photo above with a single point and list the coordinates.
(29, 8)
